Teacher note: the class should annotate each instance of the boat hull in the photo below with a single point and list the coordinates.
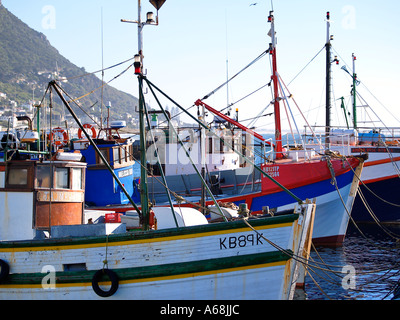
(214, 261)
(379, 197)
(380, 184)
(306, 180)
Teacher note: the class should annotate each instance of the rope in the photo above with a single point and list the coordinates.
(105, 261)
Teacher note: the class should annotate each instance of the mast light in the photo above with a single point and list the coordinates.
(137, 64)
(150, 18)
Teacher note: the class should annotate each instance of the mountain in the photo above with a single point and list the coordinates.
(28, 62)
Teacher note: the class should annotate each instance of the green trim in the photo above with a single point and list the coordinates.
(147, 235)
(165, 270)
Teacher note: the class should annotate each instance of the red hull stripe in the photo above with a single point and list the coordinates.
(380, 179)
(378, 162)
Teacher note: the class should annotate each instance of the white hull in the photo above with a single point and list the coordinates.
(205, 263)
(264, 283)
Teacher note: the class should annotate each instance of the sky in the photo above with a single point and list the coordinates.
(198, 43)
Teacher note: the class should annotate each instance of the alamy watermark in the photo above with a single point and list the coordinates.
(49, 280)
(349, 19)
(349, 280)
(168, 149)
(49, 17)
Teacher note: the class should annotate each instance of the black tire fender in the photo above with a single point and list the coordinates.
(98, 277)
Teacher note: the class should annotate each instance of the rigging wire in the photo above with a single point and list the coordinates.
(101, 70)
(104, 84)
(75, 100)
(306, 65)
(226, 82)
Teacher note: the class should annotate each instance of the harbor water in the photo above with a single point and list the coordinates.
(366, 267)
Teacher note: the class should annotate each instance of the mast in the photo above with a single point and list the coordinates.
(328, 82)
(138, 64)
(272, 50)
(143, 172)
(354, 92)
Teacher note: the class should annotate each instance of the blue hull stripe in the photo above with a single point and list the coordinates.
(309, 191)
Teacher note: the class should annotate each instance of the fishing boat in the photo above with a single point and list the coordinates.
(377, 199)
(51, 248)
(330, 178)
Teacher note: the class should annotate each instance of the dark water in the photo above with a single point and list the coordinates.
(373, 255)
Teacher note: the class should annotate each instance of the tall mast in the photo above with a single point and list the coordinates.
(328, 81)
(138, 64)
(272, 50)
(354, 92)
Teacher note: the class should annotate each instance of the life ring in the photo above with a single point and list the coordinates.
(89, 127)
(58, 137)
(97, 278)
(9, 140)
(4, 270)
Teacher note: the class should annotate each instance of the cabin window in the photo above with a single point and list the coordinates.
(116, 155)
(18, 176)
(76, 179)
(236, 144)
(131, 153)
(104, 152)
(210, 145)
(43, 176)
(62, 178)
(123, 155)
(221, 145)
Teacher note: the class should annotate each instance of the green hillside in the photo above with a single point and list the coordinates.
(28, 62)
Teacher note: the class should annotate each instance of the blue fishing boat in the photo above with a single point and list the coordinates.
(101, 188)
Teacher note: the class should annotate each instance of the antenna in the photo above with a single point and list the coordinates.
(227, 58)
(102, 71)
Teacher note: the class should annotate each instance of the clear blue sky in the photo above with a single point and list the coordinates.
(186, 54)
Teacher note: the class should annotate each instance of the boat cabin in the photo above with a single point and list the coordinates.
(101, 187)
(37, 195)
